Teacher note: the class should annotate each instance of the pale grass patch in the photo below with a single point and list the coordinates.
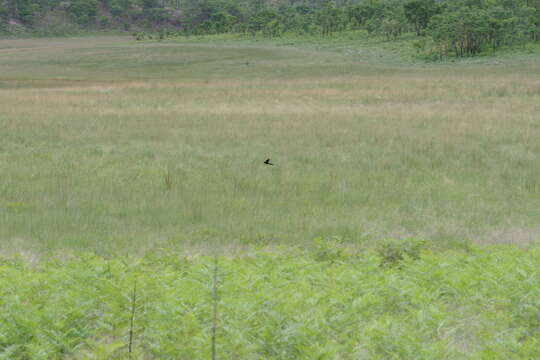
(520, 236)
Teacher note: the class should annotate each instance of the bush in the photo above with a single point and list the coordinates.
(104, 22)
(393, 252)
(328, 249)
(84, 12)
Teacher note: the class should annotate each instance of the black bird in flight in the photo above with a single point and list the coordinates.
(267, 162)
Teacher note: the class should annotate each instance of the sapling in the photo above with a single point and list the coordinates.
(132, 317)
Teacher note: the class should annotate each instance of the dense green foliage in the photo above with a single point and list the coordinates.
(445, 27)
(283, 304)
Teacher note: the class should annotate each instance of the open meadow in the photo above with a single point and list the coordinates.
(148, 157)
(108, 143)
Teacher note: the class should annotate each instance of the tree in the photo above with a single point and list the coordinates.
(221, 22)
(419, 12)
(329, 18)
(258, 21)
(3, 17)
(84, 11)
(463, 31)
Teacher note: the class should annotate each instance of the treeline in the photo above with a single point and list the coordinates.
(444, 27)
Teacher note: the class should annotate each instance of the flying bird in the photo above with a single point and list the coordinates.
(267, 162)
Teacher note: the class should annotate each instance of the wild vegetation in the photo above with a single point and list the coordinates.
(282, 304)
(444, 28)
(110, 144)
(139, 221)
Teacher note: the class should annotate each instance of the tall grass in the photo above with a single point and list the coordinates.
(362, 151)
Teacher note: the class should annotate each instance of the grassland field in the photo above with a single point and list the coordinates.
(91, 129)
(149, 156)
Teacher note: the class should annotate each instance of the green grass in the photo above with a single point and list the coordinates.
(90, 131)
(149, 156)
(358, 45)
(286, 304)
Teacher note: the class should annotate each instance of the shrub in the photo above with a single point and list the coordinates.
(104, 21)
(393, 252)
(328, 249)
